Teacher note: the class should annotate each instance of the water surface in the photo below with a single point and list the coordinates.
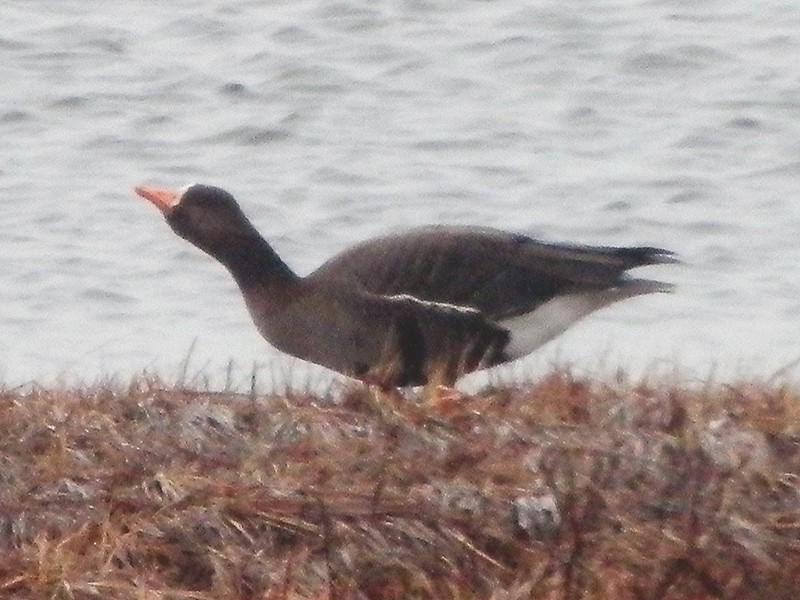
(665, 123)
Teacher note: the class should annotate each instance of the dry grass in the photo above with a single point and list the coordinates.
(567, 489)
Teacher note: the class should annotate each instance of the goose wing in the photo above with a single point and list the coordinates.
(501, 274)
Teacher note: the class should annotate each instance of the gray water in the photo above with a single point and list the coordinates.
(668, 122)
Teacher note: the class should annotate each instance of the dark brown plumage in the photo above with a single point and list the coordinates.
(424, 306)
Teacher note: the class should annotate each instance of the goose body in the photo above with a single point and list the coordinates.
(424, 306)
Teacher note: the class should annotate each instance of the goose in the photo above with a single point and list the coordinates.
(419, 307)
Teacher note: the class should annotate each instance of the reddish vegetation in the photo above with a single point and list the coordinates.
(566, 489)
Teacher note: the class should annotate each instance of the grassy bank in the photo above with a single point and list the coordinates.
(569, 488)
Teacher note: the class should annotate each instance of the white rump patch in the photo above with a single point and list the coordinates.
(551, 319)
(531, 330)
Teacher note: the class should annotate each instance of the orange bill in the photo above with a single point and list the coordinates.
(164, 199)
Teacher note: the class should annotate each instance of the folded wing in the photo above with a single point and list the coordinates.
(501, 274)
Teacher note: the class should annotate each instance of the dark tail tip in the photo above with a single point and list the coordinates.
(647, 255)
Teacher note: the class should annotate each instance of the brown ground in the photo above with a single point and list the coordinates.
(566, 489)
